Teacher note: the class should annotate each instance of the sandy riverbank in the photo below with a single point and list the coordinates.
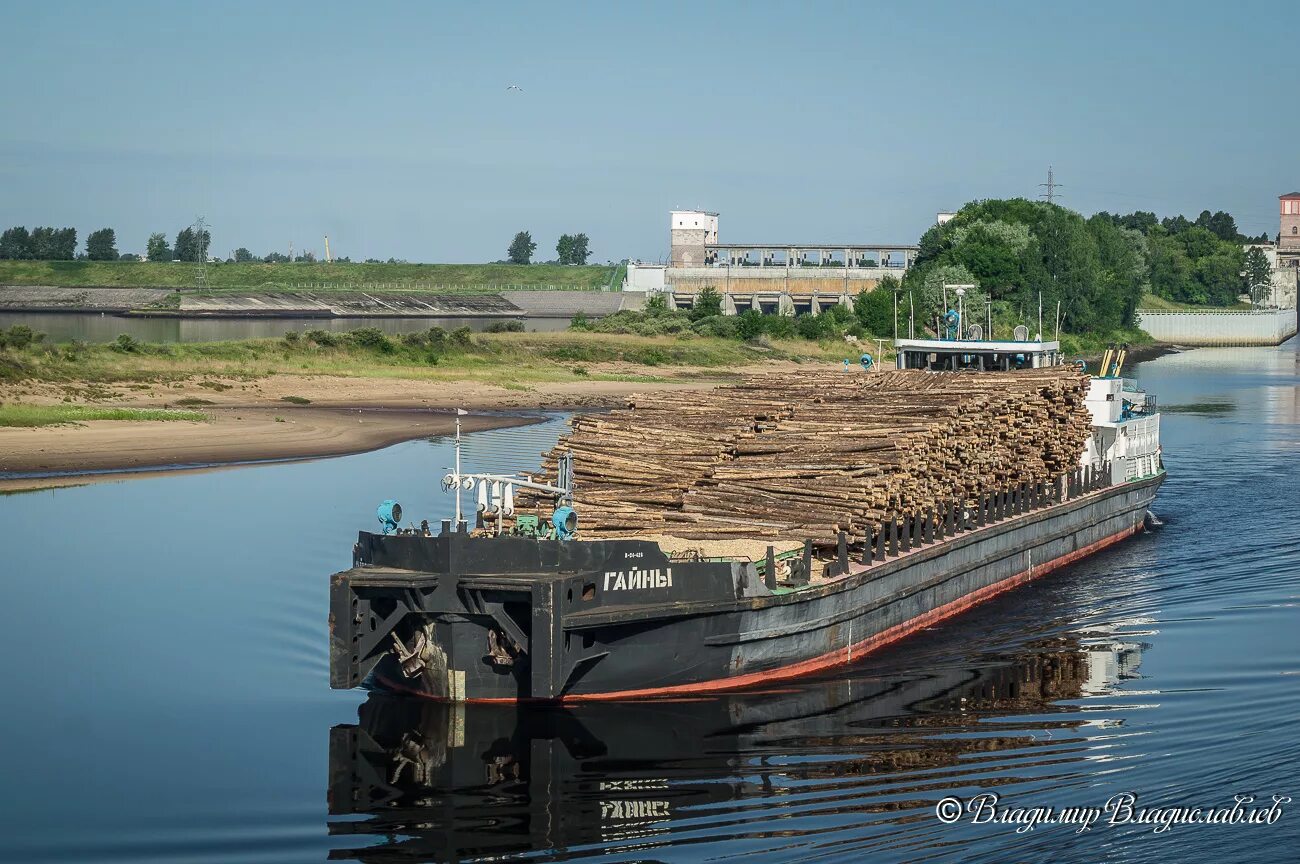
(248, 421)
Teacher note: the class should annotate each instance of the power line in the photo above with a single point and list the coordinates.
(1051, 186)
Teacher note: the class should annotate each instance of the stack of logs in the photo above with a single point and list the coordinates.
(809, 454)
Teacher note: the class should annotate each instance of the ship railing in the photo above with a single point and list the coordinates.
(908, 531)
(905, 532)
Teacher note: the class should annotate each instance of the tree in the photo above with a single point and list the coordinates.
(1170, 269)
(280, 258)
(53, 244)
(1220, 275)
(191, 246)
(1259, 275)
(242, 255)
(16, 243)
(101, 245)
(707, 304)
(522, 248)
(65, 244)
(157, 248)
(564, 248)
(578, 252)
(1220, 224)
(184, 248)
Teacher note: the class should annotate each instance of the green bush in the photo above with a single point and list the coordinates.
(570, 352)
(125, 344)
(778, 326)
(371, 339)
(707, 304)
(19, 336)
(506, 327)
(323, 338)
(656, 304)
(749, 324)
(717, 325)
(875, 310)
(292, 337)
(461, 337)
(580, 322)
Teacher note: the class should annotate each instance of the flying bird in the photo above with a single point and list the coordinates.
(515, 87)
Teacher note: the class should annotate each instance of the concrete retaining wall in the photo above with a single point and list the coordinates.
(1262, 327)
(331, 304)
(791, 280)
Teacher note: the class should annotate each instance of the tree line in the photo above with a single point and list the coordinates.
(1098, 269)
(56, 244)
(569, 249)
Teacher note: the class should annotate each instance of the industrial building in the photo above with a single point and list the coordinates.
(772, 277)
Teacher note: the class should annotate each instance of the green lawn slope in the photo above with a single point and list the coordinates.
(441, 278)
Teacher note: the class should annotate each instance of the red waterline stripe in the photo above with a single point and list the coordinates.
(838, 657)
(845, 655)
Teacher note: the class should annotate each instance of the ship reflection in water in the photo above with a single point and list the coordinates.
(790, 767)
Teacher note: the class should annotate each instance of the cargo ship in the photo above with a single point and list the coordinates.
(535, 607)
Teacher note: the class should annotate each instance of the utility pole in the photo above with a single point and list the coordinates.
(1051, 185)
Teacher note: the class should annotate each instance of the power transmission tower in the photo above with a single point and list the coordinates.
(201, 239)
(1051, 185)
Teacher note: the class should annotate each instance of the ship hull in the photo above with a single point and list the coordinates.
(713, 629)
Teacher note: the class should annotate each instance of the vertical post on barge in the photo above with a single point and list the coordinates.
(459, 412)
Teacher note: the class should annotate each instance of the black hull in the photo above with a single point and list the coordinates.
(571, 633)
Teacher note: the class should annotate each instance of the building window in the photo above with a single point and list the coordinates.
(1295, 230)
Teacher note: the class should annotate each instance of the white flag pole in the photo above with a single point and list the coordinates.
(458, 413)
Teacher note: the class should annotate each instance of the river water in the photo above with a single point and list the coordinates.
(94, 327)
(167, 695)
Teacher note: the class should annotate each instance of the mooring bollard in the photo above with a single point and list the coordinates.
(769, 568)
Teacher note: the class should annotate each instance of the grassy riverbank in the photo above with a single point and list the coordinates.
(316, 276)
(511, 359)
(53, 415)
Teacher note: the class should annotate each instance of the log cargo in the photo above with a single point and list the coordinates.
(792, 455)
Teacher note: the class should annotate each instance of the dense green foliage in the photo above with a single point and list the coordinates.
(572, 249)
(157, 249)
(1258, 274)
(40, 244)
(101, 245)
(1197, 262)
(521, 248)
(1097, 269)
(191, 245)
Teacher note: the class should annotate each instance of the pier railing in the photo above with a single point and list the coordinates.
(903, 533)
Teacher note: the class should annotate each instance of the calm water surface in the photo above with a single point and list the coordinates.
(94, 327)
(168, 695)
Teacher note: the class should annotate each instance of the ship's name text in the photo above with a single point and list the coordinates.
(633, 580)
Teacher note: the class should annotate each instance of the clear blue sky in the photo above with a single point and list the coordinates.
(389, 126)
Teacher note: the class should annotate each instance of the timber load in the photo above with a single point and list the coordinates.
(810, 454)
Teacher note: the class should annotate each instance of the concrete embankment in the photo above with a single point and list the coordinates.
(1254, 327)
(307, 304)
